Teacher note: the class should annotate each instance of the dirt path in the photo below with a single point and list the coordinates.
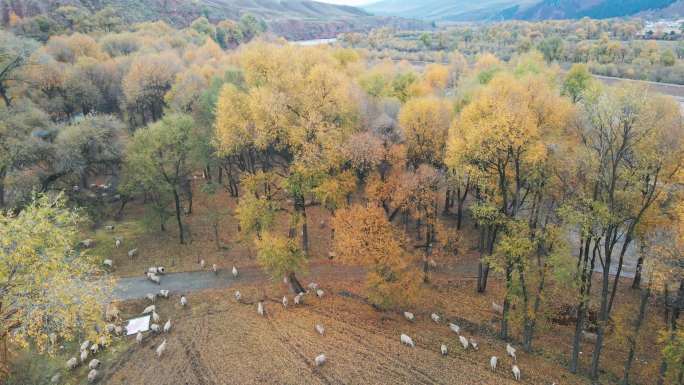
(137, 287)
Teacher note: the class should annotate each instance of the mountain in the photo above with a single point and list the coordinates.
(468, 10)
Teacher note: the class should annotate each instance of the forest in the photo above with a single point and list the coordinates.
(222, 142)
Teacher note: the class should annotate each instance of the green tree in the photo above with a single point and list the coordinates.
(14, 54)
(576, 82)
(281, 258)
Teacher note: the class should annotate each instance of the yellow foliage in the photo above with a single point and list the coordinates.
(424, 123)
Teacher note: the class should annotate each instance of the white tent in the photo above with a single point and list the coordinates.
(140, 324)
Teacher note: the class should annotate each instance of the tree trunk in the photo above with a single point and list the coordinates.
(179, 210)
(507, 303)
(216, 236)
(636, 283)
(295, 286)
(3, 172)
(645, 294)
(447, 199)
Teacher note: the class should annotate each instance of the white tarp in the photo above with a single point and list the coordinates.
(140, 324)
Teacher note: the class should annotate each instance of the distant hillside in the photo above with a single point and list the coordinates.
(469, 10)
(295, 19)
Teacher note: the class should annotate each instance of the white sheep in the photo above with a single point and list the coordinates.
(320, 293)
(155, 316)
(151, 297)
(409, 316)
(84, 355)
(235, 272)
(164, 293)
(588, 336)
(161, 270)
(214, 268)
(320, 359)
(132, 253)
(238, 296)
(149, 309)
(55, 379)
(109, 227)
(473, 343)
(72, 363)
(92, 375)
(152, 270)
(167, 326)
(492, 362)
(496, 308)
(284, 301)
(313, 285)
(94, 363)
(85, 345)
(154, 278)
(117, 242)
(464, 342)
(155, 328)
(202, 263)
(319, 328)
(406, 340)
(183, 301)
(87, 243)
(435, 317)
(110, 328)
(511, 351)
(94, 348)
(108, 262)
(444, 350)
(161, 348)
(118, 330)
(516, 372)
(260, 308)
(298, 299)
(139, 338)
(455, 328)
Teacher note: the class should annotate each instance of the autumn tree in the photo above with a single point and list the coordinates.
(424, 124)
(281, 257)
(15, 53)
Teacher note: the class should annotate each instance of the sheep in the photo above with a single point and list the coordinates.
(516, 372)
(285, 301)
(164, 293)
(154, 278)
(435, 317)
(492, 363)
(298, 299)
(117, 242)
(473, 343)
(235, 272)
(132, 253)
(183, 301)
(108, 263)
(202, 263)
(84, 355)
(238, 296)
(320, 359)
(87, 243)
(94, 348)
(588, 336)
(92, 376)
(161, 270)
(55, 379)
(102, 341)
(409, 316)
(496, 308)
(406, 340)
(151, 297)
(464, 342)
(72, 363)
(510, 350)
(161, 348)
(152, 270)
(155, 316)
(149, 309)
(109, 227)
(313, 285)
(214, 268)
(94, 363)
(139, 338)
(85, 345)
(118, 330)
(454, 328)
(167, 326)
(319, 328)
(110, 328)
(155, 328)
(112, 313)
(260, 308)
(320, 293)
(444, 350)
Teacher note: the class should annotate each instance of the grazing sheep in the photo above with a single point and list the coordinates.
(588, 336)
(94, 363)
(320, 293)
(492, 362)
(132, 253)
(214, 268)
(72, 363)
(319, 328)
(85, 345)
(109, 227)
(112, 313)
(183, 301)
(464, 342)
(94, 348)
(155, 316)
(55, 379)
(92, 375)
(139, 338)
(167, 326)
(510, 350)
(260, 308)
(110, 328)
(238, 296)
(406, 340)
(154, 278)
(87, 243)
(84, 355)
(164, 293)
(516, 372)
(435, 317)
(118, 330)
(285, 301)
(149, 309)
(313, 285)
(455, 328)
(202, 263)
(117, 242)
(155, 328)
(473, 343)
(496, 308)
(444, 350)
(53, 338)
(409, 316)
(320, 359)
(161, 270)
(161, 348)
(298, 299)
(151, 297)
(108, 262)
(235, 272)
(152, 270)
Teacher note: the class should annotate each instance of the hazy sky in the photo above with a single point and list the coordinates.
(348, 2)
